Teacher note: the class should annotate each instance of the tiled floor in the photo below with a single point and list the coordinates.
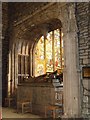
(11, 113)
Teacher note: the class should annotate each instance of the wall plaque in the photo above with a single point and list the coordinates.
(86, 72)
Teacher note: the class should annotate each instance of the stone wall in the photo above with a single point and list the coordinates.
(83, 24)
(5, 48)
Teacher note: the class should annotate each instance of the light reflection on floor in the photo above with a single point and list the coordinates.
(11, 113)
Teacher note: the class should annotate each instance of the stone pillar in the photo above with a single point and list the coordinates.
(9, 74)
(71, 79)
(16, 64)
(13, 72)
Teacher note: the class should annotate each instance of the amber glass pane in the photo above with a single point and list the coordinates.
(39, 51)
(62, 54)
(40, 68)
(57, 48)
(49, 62)
(39, 58)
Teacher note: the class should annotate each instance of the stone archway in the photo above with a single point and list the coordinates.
(66, 14)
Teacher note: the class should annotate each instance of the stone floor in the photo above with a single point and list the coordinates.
(11, 113)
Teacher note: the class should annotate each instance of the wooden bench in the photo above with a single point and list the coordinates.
(26, 106)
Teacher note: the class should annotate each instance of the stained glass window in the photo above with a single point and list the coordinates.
(49, 53)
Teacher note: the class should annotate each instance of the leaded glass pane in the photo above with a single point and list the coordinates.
(57, 48)
(39, 57)
(39, 51)
(49, 62)
(62, 54)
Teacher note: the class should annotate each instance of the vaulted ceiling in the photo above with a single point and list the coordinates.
(15, 11)
(42, 29)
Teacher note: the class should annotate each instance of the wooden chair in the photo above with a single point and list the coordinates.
(8, 101)
(57, 106)
(11, 99)
(26, 106)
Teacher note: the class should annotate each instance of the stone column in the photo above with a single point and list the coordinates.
(16, 64)
(9, 74)
(71, 79)
(13, 72)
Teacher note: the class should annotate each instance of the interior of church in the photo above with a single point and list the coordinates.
(45, 60)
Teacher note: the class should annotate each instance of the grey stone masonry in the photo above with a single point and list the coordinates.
(83, 17)
(83, 24)
(5, 48)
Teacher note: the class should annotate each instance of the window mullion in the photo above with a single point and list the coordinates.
(45, 51)
(60, 48)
